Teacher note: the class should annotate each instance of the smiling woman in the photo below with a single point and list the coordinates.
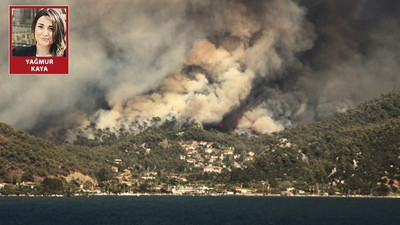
(48, 30)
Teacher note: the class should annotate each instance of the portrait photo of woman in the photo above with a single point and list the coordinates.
(48, 31)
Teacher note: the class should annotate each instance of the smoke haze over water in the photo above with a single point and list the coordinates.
(249, 66)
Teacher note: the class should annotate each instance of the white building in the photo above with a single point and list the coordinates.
(212, 169)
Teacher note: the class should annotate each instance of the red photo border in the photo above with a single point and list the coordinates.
(22, 65)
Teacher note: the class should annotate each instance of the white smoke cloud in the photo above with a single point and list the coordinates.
(258, 120)
(226, 74)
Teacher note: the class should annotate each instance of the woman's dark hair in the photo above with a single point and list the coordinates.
(59, 45)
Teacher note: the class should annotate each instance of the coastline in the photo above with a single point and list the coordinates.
(202, 195)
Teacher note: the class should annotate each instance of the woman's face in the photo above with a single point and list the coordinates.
(44, 31)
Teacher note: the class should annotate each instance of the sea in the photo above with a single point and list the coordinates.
(201, 210)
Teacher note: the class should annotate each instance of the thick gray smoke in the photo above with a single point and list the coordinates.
(354, 58)
(249, 66)
(118, 50)
(240, 44)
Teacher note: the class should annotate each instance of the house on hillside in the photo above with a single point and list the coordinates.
(115, 169)
(212, 169)
(191, 161)
(2, 185)
(208, 150)
(203, 143)
(228, 152)
(240, 190)
(250, 158)
(29, 184)
(237, 165)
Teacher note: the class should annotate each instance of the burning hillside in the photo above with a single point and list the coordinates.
(242, 66)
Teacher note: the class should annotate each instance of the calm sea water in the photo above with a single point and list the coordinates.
(178, 210)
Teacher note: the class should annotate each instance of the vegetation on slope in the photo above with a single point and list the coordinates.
(356, 152)
(23, 156)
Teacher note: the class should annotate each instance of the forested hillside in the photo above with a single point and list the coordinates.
(356, 152)
(24, 157)
(351, 152)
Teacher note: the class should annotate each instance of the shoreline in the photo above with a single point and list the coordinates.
(203, 195)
